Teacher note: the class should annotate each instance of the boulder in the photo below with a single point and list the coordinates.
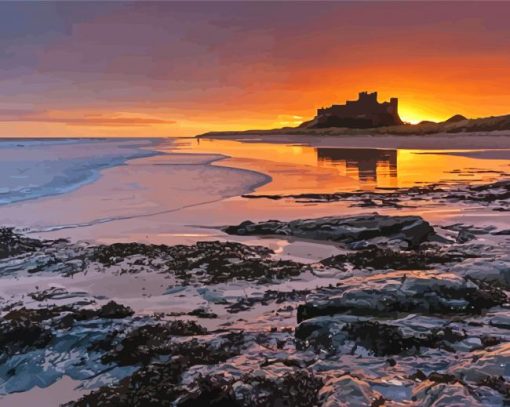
(412, 230)
(411, 291)
(347, 391)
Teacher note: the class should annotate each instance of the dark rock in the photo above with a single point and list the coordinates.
(411, 229)
(19, 334)
(497, 383)
(151, 386)
(297, 388)
(143, 343)
(464, 236)
(13, 244)
(158, 384)
(209, 391)
(202, 313)
(115, 253)
(381, 339)
(33, 315)
(383, 259)
(269, 296)
(110, 310)
(502, 232)
(444, 294)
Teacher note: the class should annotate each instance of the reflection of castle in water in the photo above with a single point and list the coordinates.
(365, 164)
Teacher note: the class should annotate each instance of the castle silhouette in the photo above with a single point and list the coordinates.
(366, 112)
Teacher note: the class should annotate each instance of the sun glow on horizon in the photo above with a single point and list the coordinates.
(414, 114)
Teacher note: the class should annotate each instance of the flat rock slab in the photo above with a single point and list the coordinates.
(410, 229)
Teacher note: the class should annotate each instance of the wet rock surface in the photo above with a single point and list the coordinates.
(495, 195)
(204, 262)
(13, 244)
(401, 315)
(410, 229)
(384, 259)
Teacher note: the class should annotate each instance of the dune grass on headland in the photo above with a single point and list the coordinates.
(497, 125)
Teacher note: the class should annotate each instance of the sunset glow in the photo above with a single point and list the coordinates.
(188, 68)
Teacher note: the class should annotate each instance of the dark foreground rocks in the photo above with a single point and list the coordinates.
(494, 195)
(412, 230)
(204, 262)
(396, 317)
(13, 244)
(401, 291)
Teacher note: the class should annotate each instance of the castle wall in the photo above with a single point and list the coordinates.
(364, 112)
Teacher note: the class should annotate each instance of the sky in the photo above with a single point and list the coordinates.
(184, 68)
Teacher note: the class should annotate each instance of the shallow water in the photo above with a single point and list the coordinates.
(298, 168)
(175, 190)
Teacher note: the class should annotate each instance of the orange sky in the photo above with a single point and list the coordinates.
(173, 69)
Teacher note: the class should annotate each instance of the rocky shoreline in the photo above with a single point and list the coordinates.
(406, 314)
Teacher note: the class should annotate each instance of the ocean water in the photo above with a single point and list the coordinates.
(182, 190)
(33, 169)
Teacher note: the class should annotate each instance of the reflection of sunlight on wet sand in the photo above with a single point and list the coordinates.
(304, 169)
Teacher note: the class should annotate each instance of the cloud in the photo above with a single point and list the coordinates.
(85, 119)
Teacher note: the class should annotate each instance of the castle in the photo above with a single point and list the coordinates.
(366, 112)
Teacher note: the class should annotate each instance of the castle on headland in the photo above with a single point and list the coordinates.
(366, 112)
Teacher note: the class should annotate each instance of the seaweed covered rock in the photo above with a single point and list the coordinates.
(152, 386)
(410, 229)
(378, 338)
(349, 391)
(158, 384)
(292, 388)
(204, 262)
(431, 393)
(484, 364)
(384, 259)
(17, 334)
(110, 310)
(147, 342)
(401, 291)
(13, 244)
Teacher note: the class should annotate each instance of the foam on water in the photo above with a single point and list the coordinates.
(32, 169)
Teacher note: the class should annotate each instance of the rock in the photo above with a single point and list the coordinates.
(433, 394)
(402, 292)
(160, 384)
(497, 383)
(289, 388)
(489, 270)
(500, 321)
(18, 334)
(13, 244)
(464, 236)
(348, 391)
(143, 343)
(322, 333)
(502, 232)
(411, 229)
(383, 259)
(110, 310)
(483, 364)
(153, 385)
(202, 313)
(379, 338)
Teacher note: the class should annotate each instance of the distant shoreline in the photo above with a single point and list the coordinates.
(482, 127)
(478, 141)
